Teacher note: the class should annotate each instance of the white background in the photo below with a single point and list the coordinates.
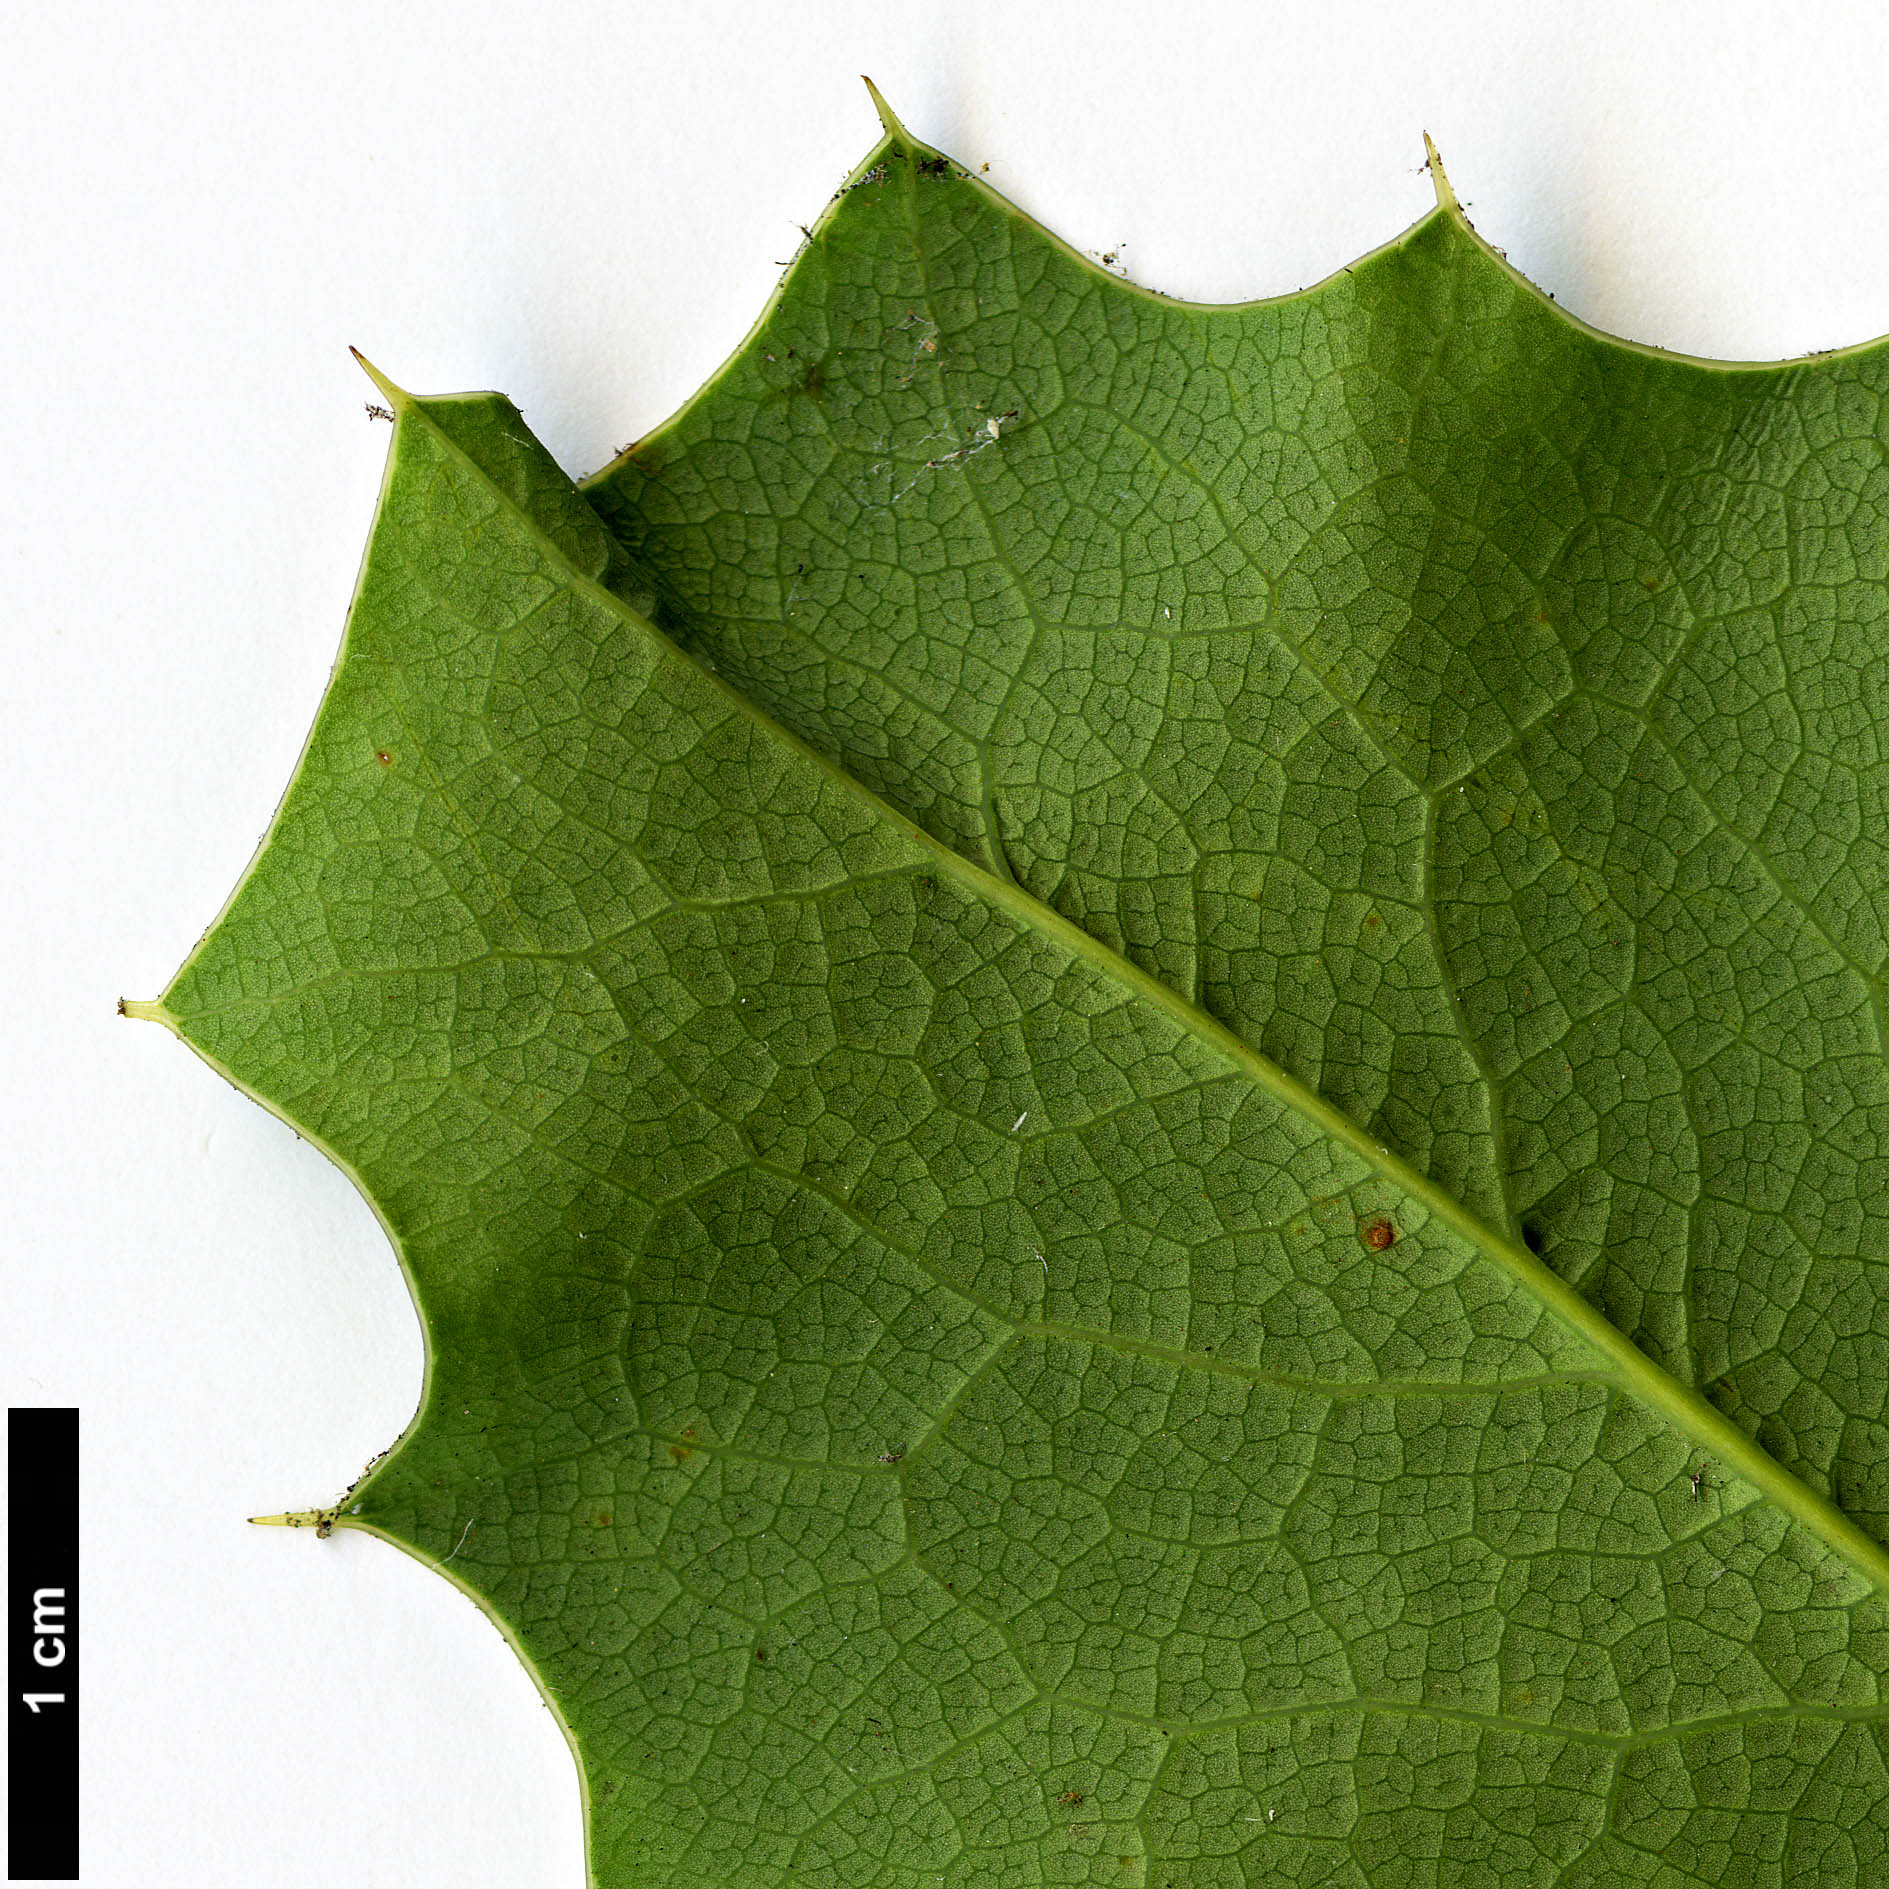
(200, 207)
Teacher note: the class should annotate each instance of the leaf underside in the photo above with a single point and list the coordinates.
(1130, 1058)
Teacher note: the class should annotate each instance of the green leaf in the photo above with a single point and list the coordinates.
(1480, 717)
(930, 1399)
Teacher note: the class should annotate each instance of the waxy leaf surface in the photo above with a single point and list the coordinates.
(1220, 1227)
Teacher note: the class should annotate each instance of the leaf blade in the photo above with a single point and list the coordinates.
(556, 1230)
(1469, 710)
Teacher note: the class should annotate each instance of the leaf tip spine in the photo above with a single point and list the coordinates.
(397, 397)
(887, 116)
(322, 1521)
(1433, 163)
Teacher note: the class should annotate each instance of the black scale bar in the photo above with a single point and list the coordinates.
(43, 1646)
